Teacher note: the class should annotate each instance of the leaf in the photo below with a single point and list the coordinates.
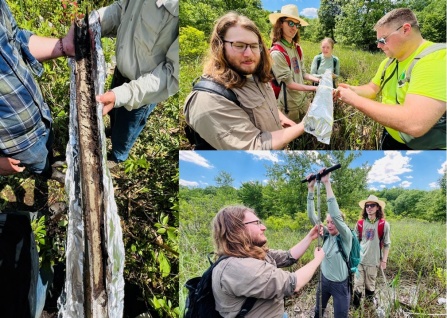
(165, 266)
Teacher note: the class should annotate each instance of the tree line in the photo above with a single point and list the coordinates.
(285, 196)
(348, 22)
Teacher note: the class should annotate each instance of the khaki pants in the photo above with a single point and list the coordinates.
(365, 278)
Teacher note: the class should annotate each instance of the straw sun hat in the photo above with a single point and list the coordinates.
(287, 11)
(372, 198)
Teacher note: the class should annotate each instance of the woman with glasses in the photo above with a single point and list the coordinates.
(288, 66)
(335, 273)
(373, 233)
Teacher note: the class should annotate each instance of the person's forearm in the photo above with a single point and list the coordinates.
(329, 192)
(280, 138)
(385, 255)
(311, 77)
(301, 87)
(43, 48)
(299, 249)
(305, 273)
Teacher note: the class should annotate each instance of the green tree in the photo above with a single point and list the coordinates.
(405, 204)
(432, 20)
(327, 13)
(224, 179)
(250, 194)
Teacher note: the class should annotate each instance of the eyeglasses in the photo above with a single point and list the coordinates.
(241, 46)
(257, 222)
(372, 205)
(382, 40)
(290, 23)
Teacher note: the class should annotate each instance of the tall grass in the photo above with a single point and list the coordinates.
(351, 129)
(416, 265)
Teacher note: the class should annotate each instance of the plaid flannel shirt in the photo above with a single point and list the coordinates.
(23, 112)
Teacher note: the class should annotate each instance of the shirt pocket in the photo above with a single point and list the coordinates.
(152, 22)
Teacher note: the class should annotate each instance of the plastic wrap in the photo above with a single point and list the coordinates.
(320, 116)
(71, 302)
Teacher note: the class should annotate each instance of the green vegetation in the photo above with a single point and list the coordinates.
(350, 23)
(416, 264)
(146, 187)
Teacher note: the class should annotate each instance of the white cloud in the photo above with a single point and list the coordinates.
(382, 186)
(433, 185)
(188, 183)
(387, 169)
(265, 181)
(194, 157)
(373, 188)
(405, 184)
(443, 168)
(413, 152)
(309, 12)
(264, 155)
(409, 177)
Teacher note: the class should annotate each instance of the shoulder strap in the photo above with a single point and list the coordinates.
(208, 85)
(341, 249)
(382, 77)
(278, 47)
(299, 50)
(360, 228)
(318, 61)
(334, 61)
(432, 48)
(246, 307)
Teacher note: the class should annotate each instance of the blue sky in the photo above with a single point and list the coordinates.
(408, 169)
(306, 8)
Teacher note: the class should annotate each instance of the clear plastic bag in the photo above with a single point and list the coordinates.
(320, 116)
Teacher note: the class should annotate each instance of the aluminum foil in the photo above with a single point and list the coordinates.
(320, 116)
(71, 302)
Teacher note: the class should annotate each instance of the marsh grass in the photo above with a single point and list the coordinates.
(415, 272)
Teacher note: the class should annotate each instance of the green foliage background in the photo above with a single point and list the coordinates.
(417, 220)
(350, 23)
(146, 189)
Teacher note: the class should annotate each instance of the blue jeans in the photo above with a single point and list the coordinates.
(36, 159)
(126, 126)
(340, 294)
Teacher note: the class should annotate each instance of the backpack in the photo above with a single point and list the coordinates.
(200, 302)
(274, 83)
(380, 229)
(435, 137)
(19, 266)
(208, 85)
(353, 260)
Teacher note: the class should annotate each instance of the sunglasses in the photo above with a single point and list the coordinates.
(256, 222)
(382, 40)
(372, 205)
(290, 23)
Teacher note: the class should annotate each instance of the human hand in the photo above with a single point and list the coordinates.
(286, 122)
(346, 94)
(313, 233)
(319, 254)
(68, 41)
(108, 101)
(382, 265)
(9, 166)
(311, 184)
(326, 178)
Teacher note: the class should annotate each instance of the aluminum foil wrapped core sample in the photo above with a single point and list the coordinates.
(94, 285)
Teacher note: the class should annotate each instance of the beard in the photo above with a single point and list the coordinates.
(259, 242)
(236, 64)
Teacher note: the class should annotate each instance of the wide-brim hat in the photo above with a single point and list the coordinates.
(287, 11)
(373, 198)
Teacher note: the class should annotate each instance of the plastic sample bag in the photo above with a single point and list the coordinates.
(320, 116)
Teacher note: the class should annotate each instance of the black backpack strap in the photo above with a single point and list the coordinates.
(318, 61)
(208, 85)
(246, 307)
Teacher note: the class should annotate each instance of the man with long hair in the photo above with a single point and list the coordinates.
(238, 60)
(412, 112)
(286, 33)
(374, 236)
(252, 268)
